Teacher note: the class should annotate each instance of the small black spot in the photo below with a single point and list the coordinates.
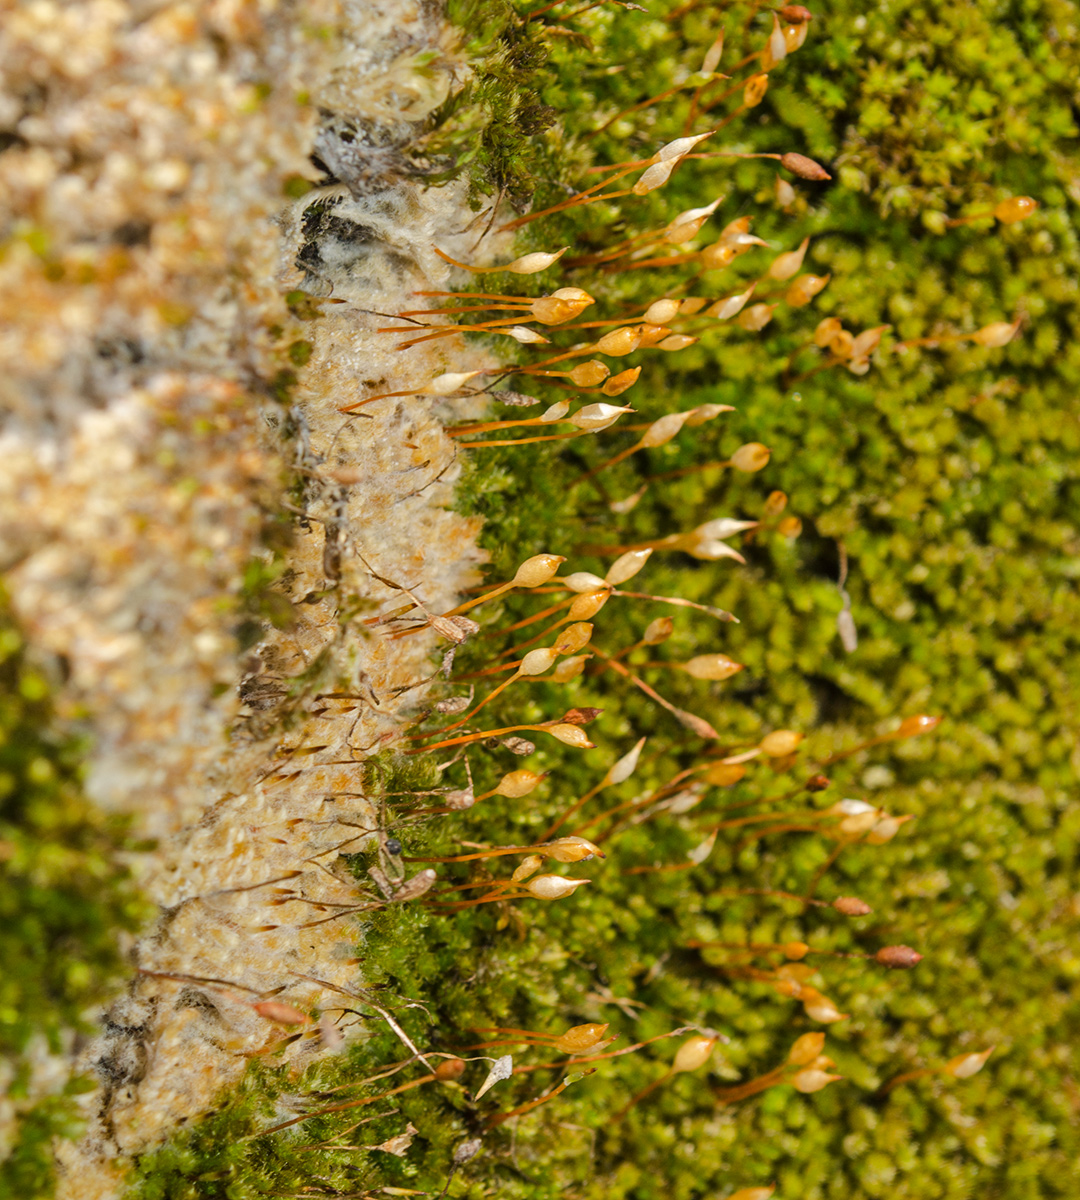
(393, 846)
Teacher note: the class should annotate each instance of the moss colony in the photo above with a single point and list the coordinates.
(732, 851)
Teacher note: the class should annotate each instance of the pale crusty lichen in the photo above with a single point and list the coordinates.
(148, 246)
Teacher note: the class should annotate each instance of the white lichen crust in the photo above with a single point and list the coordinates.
(143, 332)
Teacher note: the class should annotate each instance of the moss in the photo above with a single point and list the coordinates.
(66, 902)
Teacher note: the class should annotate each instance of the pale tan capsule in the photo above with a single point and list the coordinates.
(785, 193)
(589, 374)
(842, 344)
(658, 631)
(584, 581)
(780, 743)
(1000, 333)
(966, 1065)
(826, 331)
(626, 566)
(570, 668)
(663, 430)
(536, 662)
(752, 1193)
(447, 385)
(549, 310)
(756, 317)
(528, 866)
(868, 341)
(662, 311)
(692, 305)
(686, 225)
(713, 55)
(695, 1052)
(812, 1080)
(594, 417)
(804, 289)
(806, 1048)
(730, 306)
(752, 456)
(556, 412)
(621, 770)
(537, 570)
(552, 887)
(859, 823)
(706, 412)
(570, 735)
(517, 784)
(681, 146)
(784, 266)
(717, 256)
(619, 341)
(677, 341)
(526, 336)
(655, 176)
(529, 264)
(712, 666)
(776, 48)
(573, 849)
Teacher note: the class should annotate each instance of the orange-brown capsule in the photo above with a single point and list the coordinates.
(795, 950)
(775, 503)
(574, 638)
(851, 906)
(573, 849)
(517, 784)
(588, 605)
(617, 384)
(580, 1038)
(658, 631)
(911, 726)
(780, 743)
(589, 374)
(754, 92)
(450, 1070)
(1016, 208)
(724, 774)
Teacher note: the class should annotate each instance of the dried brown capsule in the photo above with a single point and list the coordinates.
(450, 1069)
(805, 168)
(901, 958)
(851, 906)
(817, 783)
